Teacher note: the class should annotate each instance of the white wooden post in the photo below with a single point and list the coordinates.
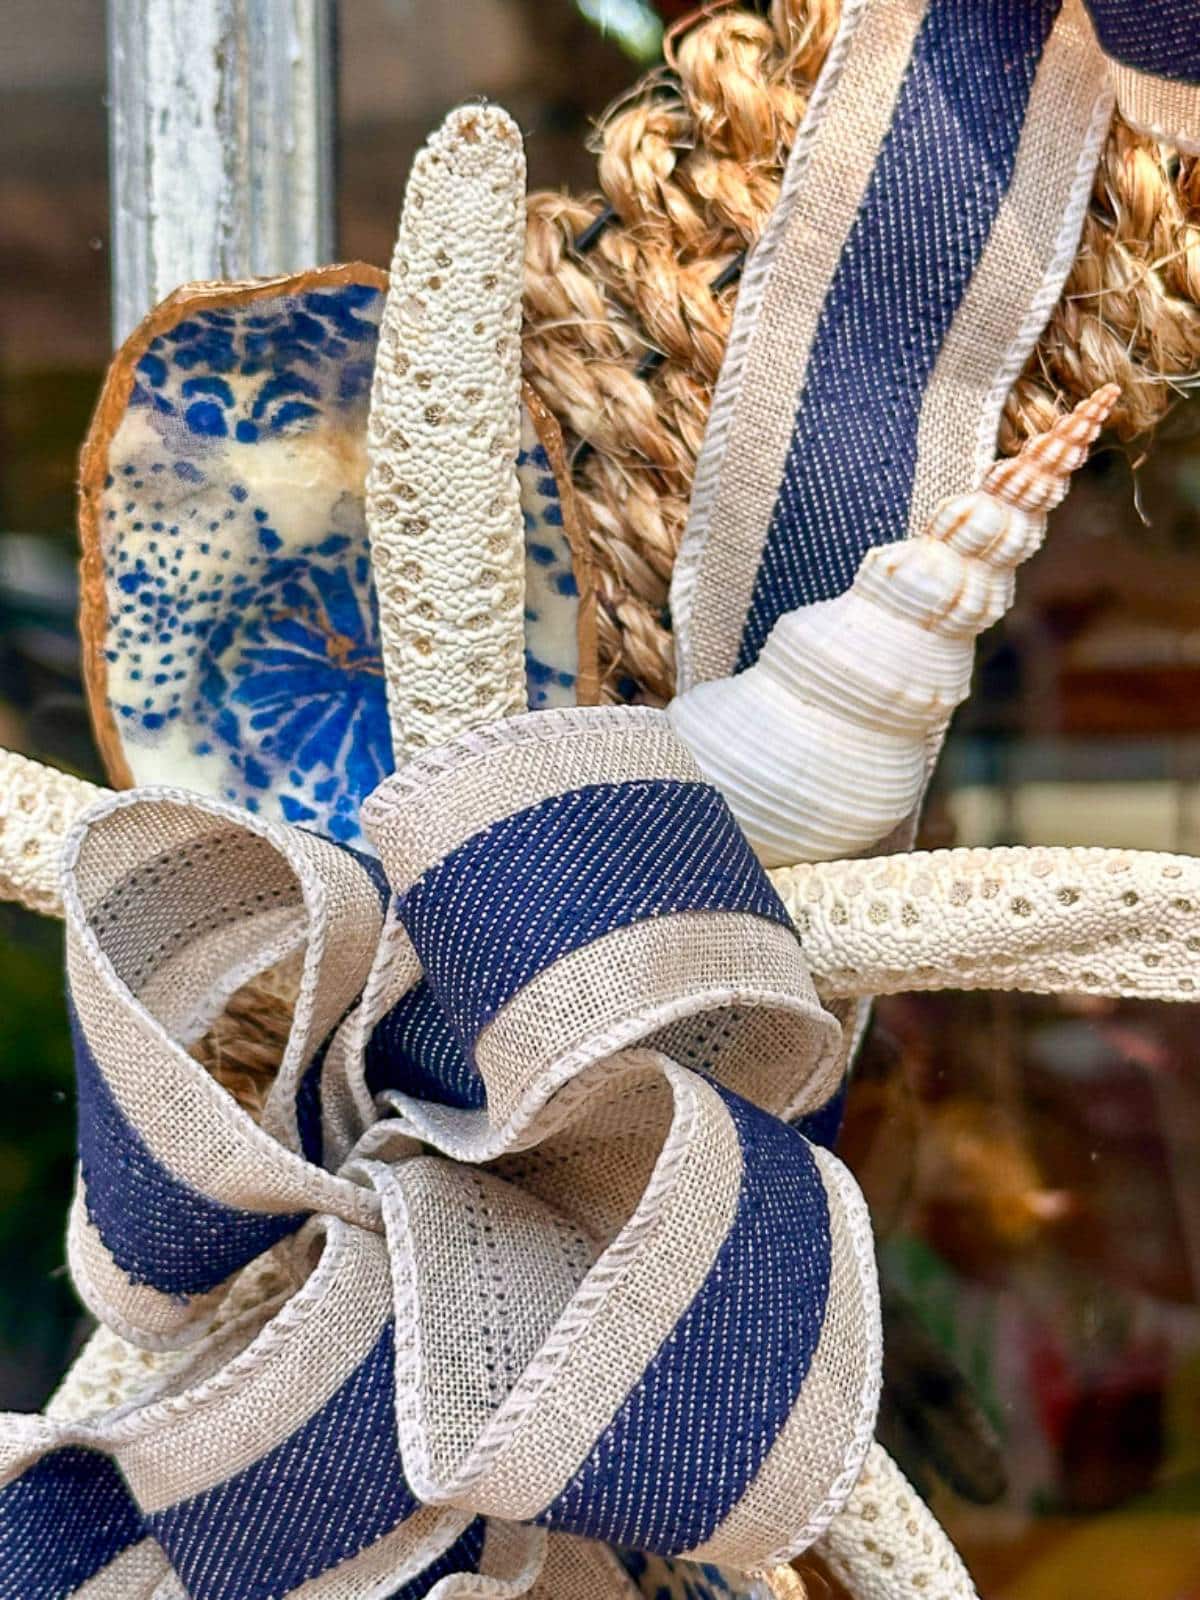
(221, 121)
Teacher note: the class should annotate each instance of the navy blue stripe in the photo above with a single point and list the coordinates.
(823, 1125)
(158, 1229)
(332, 1489)
(463, 1556)
(308, 1094)
(1161, 37)
(563, 873)
(944, 166)
(61, 1523)
(414, 1049)
(690, 1438)
(308, 1107)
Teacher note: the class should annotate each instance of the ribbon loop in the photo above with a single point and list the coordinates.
(172, 903)
(572, 887)
(600, 1399)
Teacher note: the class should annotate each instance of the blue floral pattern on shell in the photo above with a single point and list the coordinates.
(661, 1579)
(242, 642)
(551, 590)
(241, 633)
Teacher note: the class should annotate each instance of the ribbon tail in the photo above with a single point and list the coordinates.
(875, 336)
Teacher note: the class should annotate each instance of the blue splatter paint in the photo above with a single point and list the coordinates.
(551, 591)
(242, 636)
(662, 1579)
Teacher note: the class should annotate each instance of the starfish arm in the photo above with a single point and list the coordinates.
(886, 1543)
(1046, 920)
(38, 806)
(443, 497)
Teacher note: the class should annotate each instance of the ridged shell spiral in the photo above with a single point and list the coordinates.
(821, 747)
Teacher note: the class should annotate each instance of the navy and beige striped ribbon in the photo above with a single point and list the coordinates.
(524, 1186)
(930, 213)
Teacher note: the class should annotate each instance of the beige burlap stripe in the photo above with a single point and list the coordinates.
(188, 991)
(183, 900)
(607, 1334)
(394, 1560)
(135, 1575)
(1160, 107)
(188, 1442)
(438, 802)
(611, 993)
(347, 1106)
(1023, 267)
(639, 1288)
(779, 304)
(513, 1555)
(345, 922)
(816, 1460)
(492, 1268)
(594, 1168)
(581, 1569)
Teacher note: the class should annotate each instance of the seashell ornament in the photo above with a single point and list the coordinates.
(822, 746)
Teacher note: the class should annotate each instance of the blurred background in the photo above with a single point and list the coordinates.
(1032, 1164)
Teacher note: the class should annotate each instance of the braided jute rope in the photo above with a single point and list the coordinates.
(690, 165)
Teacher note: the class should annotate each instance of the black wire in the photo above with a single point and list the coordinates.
(653, 359)
(729, 274)
(584, 242)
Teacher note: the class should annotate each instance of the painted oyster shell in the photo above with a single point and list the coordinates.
(229, 618)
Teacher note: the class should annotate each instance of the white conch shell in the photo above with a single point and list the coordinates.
(821, 747)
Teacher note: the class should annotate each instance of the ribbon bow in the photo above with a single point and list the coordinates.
(525, 1299)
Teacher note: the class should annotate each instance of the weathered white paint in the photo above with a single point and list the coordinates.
(221, 143)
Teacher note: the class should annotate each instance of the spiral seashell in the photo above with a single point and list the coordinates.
(822, 746)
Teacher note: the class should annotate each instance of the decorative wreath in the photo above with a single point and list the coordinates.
(464, 971)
